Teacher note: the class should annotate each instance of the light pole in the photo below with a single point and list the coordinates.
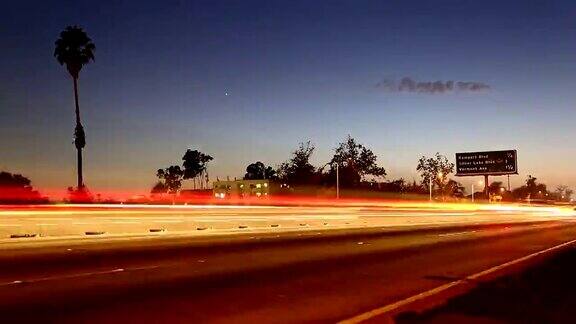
(332, 163)
(439, 176)
(430, 189)
(440, 184)
(337, 182)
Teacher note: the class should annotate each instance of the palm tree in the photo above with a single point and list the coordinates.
(75, 49)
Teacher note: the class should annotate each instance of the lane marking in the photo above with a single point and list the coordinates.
(457, 233)
(125, 223)
(70, 276)
(79, 275)
(390, 307)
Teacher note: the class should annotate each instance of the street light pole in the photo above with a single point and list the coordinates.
(430, 189)
(337, 182)
(472, 193)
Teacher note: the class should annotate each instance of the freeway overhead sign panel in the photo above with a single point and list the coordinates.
(486, 163)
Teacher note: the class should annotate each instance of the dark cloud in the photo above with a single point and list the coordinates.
(408, 84)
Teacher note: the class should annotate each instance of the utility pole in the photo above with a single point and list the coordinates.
(472, 193)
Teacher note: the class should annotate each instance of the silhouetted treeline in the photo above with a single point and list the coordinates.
(17, 189)
(355, 165)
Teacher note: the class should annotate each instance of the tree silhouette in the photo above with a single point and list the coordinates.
(257, 171)
(355, 162)
(437, 169)
(16, 188)
(563, 193)
(75, 49)
(495, 188)
(453, 189)
(298, 170)
(172, 177)
(532, 189)
(195, 164)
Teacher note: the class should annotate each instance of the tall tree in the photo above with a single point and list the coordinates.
(532, 189)
(195, 165)
(453, 189)
(75, 49)
(437, 169)
(257, 171)
(172, 177)
(355, 163)
(298, 170)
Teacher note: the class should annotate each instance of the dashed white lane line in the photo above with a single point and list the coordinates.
(70, 276)
(168, 221)
(46, 224)
(10, 225)
(404, 302)
(125, 222)
(76, 275)
(456, 233)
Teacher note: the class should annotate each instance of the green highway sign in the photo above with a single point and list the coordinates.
(486, 163)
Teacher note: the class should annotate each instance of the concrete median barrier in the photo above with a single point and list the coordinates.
(94, 233)
(25, 235)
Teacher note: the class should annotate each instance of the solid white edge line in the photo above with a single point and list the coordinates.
(390, 307)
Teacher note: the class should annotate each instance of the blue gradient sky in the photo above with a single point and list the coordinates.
(294, 70)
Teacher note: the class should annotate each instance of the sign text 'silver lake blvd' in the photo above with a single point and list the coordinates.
(486, 163)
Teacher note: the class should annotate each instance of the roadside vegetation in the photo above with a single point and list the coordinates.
(359, 175)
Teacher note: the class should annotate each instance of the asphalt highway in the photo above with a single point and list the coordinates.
(114, 220)
(279, 276)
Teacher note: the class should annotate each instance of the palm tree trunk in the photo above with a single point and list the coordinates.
(78, 149)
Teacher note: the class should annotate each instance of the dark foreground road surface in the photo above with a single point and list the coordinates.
(314, 276)
(539, 294)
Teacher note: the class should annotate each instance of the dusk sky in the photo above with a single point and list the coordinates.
(247, 80)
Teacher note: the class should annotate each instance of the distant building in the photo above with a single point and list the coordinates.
(241, 189)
